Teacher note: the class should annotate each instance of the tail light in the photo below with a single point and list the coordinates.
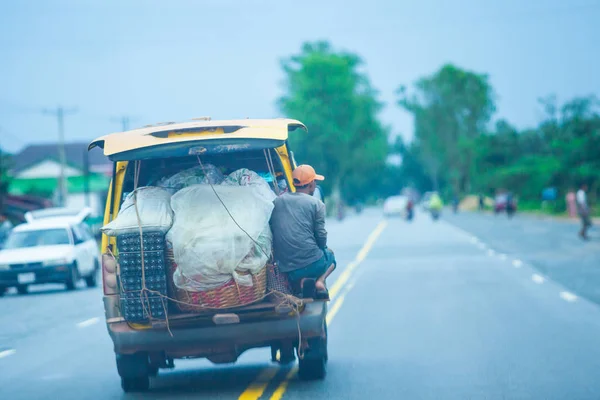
(109, 274)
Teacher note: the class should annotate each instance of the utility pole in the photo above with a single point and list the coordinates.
(124, 120)
(60, 113)
(86, 177)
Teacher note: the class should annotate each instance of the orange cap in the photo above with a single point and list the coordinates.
(305, 174)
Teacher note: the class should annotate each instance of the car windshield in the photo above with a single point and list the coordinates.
(43, 237)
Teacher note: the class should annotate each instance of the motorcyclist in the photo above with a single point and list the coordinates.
(410, 205)
(435, 205)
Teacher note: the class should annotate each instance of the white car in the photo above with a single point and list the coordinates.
(49, 248)
(395, 206)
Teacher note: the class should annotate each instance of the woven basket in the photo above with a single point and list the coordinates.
(226, 296)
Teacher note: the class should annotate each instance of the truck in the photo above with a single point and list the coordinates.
(144, 345)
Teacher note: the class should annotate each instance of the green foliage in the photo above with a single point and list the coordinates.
(563, 152)
(454, 151)
(327, 91)
(410, 173)
(453, 145)
(451, 109)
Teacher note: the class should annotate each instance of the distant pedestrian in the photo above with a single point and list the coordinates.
(481, 202)
(455, 204)
(571, 201)
(584, 211)
(511, 205)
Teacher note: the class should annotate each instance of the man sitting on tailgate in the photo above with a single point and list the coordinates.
(299, 235)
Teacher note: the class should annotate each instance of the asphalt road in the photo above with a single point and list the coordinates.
(550, 245)
(427, 311)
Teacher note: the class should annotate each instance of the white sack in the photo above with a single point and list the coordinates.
(192, 176)
(154, 207)
(208, 245)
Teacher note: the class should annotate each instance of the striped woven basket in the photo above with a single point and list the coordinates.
(226, 296)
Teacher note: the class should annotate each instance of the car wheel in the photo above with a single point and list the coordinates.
(141, 384)
(2, 291)
(22, 289)
(92, 280)
(71, 282)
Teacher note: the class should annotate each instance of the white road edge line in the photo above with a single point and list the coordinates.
(491, 252)
(502, 257)
(537, 278)
(7, 353)
(88, 322)
(517, 263)
(567, 296)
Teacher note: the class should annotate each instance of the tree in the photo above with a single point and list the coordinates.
(451, 109)
(562, 152)
(328, 92)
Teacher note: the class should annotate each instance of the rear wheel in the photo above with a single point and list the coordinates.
(135, 384)
(135, 371)
(313, 366)
(92, 280)
(312, 369)
(71, 282)
(22, 289)
(2, 291)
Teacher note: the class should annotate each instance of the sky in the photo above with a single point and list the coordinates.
(158, 61)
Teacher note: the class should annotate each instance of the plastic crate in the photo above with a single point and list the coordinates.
(134, 307)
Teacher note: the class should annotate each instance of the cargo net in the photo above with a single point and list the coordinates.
(148, 282)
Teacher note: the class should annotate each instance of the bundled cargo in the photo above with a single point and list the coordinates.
(153, 213)
(222, 241)
(155, 216)
(192, 176)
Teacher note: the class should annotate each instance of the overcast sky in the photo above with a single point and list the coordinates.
(173, 60)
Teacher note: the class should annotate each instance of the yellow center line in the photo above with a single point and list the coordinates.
(278, 393)
(257, 388)
(345, 275)
(259, 385)
(334, 309)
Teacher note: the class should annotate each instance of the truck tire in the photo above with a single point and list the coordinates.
(312, 369)
(313, 366)
(130, 385)
(134, 370)
(22, 289)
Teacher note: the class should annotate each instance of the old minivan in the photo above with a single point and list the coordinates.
(143, 346)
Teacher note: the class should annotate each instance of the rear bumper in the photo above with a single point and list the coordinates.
(219, 339)
(54, 274)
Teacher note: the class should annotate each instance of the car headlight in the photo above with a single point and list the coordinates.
(57, 261)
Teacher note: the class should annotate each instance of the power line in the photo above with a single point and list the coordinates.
(60, 113)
